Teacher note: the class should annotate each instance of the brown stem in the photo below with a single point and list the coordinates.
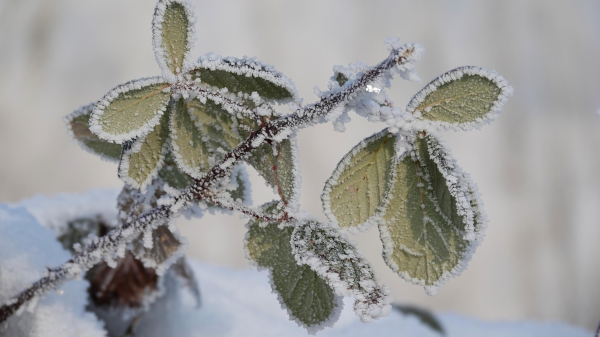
(125, 233)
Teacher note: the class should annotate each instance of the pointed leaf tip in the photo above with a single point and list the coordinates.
(306, 296)
(461, 99)
(130, 110)
(354, 194)
(433, 220)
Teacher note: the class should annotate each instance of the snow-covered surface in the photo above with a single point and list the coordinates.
(26, 249)
(234, 302)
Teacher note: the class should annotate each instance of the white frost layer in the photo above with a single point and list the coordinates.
(159, 52)
(26, 249)
(121, 90)
(55, 212)
(240, 303)
(505, 92)
(249, 67)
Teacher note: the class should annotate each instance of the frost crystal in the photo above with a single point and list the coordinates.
(339, 262)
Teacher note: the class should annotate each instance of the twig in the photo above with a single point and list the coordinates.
(128, 231)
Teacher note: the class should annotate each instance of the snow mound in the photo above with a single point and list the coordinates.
(26, 249)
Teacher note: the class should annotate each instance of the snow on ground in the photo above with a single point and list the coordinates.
(234, 302)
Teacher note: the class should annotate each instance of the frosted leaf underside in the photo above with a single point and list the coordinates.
(462, 100)
(240, 82)
(132, 110)
(174, 34)
(357, 188)
(306, 296)
(80, 127)
(339, 262)
(140, 163)
(423, 232)
(191, 154)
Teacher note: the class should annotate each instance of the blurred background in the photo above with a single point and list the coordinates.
(537, 166)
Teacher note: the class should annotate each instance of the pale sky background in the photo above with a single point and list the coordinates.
(537, 166)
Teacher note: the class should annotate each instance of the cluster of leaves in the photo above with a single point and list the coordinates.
(168, 131)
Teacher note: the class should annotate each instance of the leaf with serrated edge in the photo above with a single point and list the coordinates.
(434, 219)
(278, 165)
(173, 34)
(461, 99)
(306, 296)
(353, 195)
(244, 75)
(78, 124)
(130, 110)
(142, 160)
(338, 261)
(190, 153)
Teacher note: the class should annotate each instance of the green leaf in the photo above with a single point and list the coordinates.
(222, 131)
(354, 194)
(245, 76)
(338, 261)
(191, 154)
(434, 221)
(279, 167)
(143, 158)
(462, 98)
(78, 124)
(172, 175)
(306, 296)
(130, 110)
(425, 316)
(172, 31)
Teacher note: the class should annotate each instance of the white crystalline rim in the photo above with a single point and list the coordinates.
(248, 67)
(84, 110)
(365, 310)
(177, 156)
(159, 53)
(164, 266)
(293, 205)
(465, 191)
(124, 164)
(505, 92)
(313, 329)
(103, 103)
(332, 182)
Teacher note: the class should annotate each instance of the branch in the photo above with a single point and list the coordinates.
(277, 131)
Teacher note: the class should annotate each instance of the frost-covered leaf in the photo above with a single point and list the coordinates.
(353, 195)
(434, 220)
(78, 124)
(278, 165)
(425, 316)
(128, 284)
(130, 110)
(143, 158)
(172, 175)
(241, 185)
(306, 296)
(338, 261)
(463, 98)
(158, 250)
(77, 230)
(246, 76)
(190, 152)
(172, 35)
